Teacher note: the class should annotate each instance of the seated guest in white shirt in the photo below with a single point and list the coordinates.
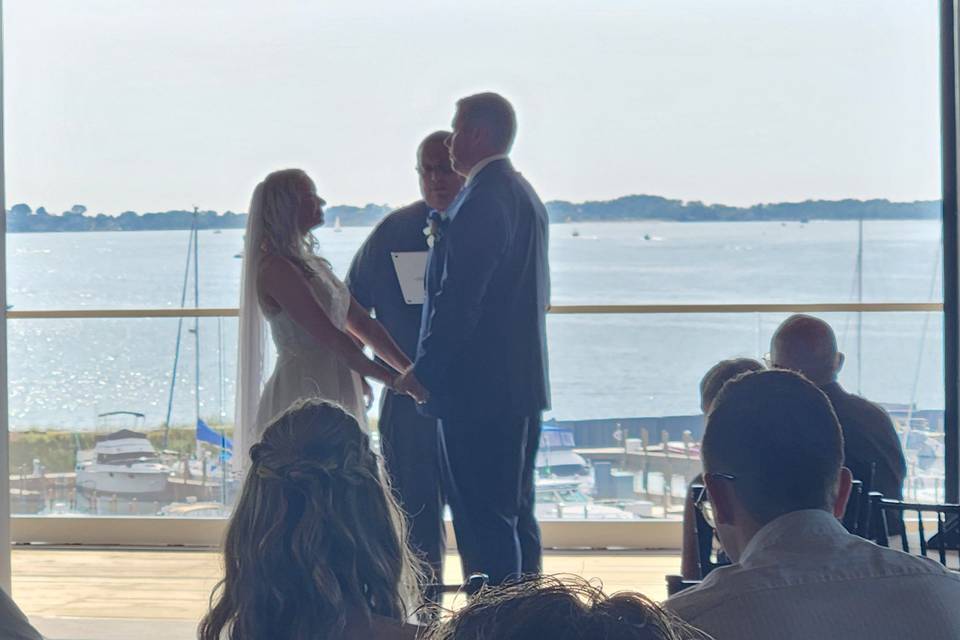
(772, 455)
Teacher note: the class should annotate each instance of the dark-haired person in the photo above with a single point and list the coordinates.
(316, 546)
(808, 345)
(710, 385)
(772, 454)
(561, 608)
(482, 355)
(409, 440)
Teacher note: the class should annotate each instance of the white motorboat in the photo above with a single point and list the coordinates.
(122, 463)
(557, 460)
(563, 500)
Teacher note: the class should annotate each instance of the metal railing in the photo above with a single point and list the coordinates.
(599, 309)
(562, 534)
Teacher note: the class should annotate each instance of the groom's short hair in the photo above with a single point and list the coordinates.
(494, 113)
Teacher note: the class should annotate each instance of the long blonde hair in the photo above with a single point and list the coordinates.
(272, 228)
(316, 533)
(276, 200)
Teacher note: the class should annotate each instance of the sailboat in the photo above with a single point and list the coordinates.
(204, 433)
(336, 225)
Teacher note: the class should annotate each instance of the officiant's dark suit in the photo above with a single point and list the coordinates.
(482, 356)
(409, 441)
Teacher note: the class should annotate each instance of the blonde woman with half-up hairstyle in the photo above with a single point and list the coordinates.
(316, 548)
(317, 326)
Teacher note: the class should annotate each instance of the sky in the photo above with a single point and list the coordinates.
(151, 105)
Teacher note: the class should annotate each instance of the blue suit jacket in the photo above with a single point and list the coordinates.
(483, 345)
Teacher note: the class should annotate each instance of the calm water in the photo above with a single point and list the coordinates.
(63, 372)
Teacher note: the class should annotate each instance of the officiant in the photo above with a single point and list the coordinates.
(396, 249)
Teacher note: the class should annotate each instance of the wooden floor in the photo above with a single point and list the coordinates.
(73, 593)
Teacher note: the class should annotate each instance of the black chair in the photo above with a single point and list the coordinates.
(854, 516)
(708, 557)
(709, 553)
(676, 584)
(946, 539)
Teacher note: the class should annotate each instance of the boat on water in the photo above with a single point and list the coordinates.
(566, 486)
(564, 500)
(336, 225)
(557, 460)
(195, 509)
(123, 463)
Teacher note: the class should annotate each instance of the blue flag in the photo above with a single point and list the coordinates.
(206, 434)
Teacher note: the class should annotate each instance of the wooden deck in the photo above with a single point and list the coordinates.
(74, 594)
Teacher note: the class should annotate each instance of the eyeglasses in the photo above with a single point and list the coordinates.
(703, 503)
(439, 170)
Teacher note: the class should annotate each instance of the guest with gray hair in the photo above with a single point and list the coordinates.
(872, 449)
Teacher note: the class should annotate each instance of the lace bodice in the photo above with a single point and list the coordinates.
(305, 367)
(333, 297)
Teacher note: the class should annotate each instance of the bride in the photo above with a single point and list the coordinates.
(317, 326)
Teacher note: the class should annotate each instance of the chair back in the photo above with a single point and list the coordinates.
(855, 505)
(709, 556)
(941, 520)
(676, 584)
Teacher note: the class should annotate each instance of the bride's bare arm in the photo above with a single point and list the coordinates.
(287, 287)
(361, 324)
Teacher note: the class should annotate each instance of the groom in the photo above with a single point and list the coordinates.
(482, 355)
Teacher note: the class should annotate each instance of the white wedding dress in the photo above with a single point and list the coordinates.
(306, 368)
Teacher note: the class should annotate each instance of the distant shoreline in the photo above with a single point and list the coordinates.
(637, 208)
(570, 223)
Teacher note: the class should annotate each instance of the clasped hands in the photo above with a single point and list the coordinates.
(407, 383)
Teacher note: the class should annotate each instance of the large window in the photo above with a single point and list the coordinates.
(733, 153)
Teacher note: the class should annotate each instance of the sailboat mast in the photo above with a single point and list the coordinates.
(860, 301)
(176, 351)
(196, 320)
(220, 368)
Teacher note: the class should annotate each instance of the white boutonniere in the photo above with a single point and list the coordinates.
(436, 225)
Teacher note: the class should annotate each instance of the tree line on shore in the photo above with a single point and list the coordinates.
(22, 218)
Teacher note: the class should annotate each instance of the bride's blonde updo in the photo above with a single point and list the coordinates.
(315, 534)
(276, 200)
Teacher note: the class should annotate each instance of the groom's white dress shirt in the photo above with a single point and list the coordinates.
(477, 168)
(803, 576)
